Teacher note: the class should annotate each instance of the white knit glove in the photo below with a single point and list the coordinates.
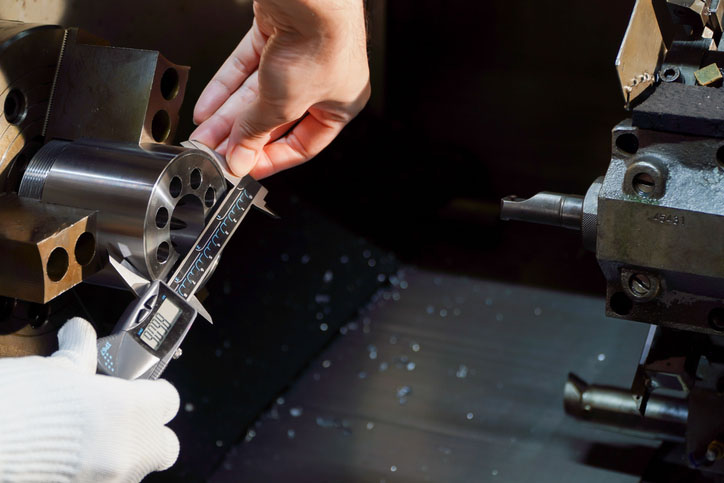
(60, 422)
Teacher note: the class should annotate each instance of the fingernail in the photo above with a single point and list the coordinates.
(241, 160)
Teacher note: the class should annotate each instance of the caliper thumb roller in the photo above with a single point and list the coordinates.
(151, 330)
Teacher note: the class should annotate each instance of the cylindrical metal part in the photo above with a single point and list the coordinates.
(152, 201)
(615, 408)
(545, 208)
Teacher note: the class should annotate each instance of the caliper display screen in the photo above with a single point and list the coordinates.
(160, 325)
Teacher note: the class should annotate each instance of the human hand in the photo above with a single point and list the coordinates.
(296, 79)
(59, 421)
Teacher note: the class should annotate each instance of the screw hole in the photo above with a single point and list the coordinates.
(57, 265)
(620, 303)
(161, 126)
(195, 178)
(169, 84)
(175, 187)
(640, 285)
(628, 143)
(720, 156)
(644, 184)
(85, 249)
(670, 74)
(15, 107)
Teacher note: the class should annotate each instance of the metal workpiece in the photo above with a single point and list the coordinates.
(28, 56)
(114, 94)
(545, 208)
(152, 201)
(47, 249)
(665, 417)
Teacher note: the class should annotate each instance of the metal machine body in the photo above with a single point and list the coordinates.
(655, 222)
(87, 168)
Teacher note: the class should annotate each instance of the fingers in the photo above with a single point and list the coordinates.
(251, 131)
(160, 399)
(77, 344)
(314, 133)
(167, 450)
(232, 74)
(161, 403)
(214, 130)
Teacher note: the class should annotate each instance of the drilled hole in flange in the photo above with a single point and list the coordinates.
(628, 143)
(163, 252)
(85, 248)
(57, 265)
(169, 84)
(210, 197)
(195, 178)
(175, 187)
(161, 217)
(15, 107)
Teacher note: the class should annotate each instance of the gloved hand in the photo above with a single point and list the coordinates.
(301, 60)
(60, 422)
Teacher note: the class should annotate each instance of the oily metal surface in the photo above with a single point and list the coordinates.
(151, 201)
(446, 378)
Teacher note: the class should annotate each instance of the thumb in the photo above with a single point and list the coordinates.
(77, 344)
(251, 131)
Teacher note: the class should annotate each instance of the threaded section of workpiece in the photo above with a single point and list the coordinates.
(37, 171)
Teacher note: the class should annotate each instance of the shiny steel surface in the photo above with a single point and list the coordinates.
(151, 201)
(665, 417)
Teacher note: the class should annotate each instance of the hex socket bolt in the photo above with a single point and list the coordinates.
(545, 208)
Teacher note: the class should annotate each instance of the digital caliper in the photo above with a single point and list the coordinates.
(151, 330)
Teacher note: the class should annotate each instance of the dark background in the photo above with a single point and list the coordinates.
(481, 100)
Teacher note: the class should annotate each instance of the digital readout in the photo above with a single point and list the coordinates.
(157, 330)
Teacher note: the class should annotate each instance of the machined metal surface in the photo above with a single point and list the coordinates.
(114, 94)
(36, 265)
(665, 417)
(152, 201)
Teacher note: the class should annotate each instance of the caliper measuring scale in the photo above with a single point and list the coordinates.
(151, 330)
